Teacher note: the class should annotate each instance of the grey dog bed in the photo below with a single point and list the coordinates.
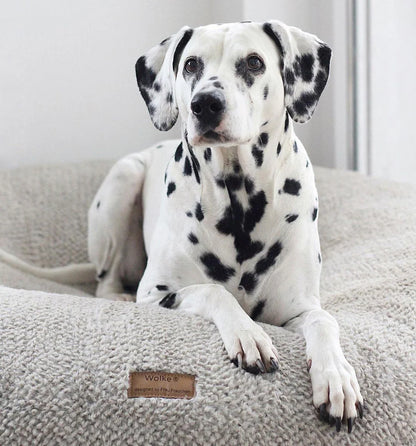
(65, 355)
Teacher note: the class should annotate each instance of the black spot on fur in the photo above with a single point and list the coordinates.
(171, 188)
(291, 217)
(159, 146)
(255, 212)
(248, 281)
(266, 92)
(188, 213)
(156, 86)
(295, 147)
(319, 257)
(226, 224)
(314, 214)
(218, 84)
(307, 163)
(320, 82)
(169, 98)
(199, 214)
(240, 223)
(195, 164)
(249, 185)
(215, 268)
(257, 310)
(168, 301)
(279, 148)
(270, 259)
(220, 182)
(286, 121)
(178, 153)
(145, 76)
(324, 57)
(263, 139)
(289, 76)
(257, 155)
(165, 177)
(207, 154)
(98, 204)
(213, 78)
(291, 187)
(193, 238)
(304, 103)
(180, 47)
(102, 274)
(187, 168)
(236, 167)
(162, 287)
(234, 182)
(146, 97)
(306, 66)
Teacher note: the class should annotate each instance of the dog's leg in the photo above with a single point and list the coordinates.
(246, 343)
(115, 238)
(335, 388)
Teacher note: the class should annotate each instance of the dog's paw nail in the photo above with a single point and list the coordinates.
(260, 365)
(338, 423)
(331, 420)
(274, 364)
(360, 409)
(350, 424)
(323, 414)
(239, 360)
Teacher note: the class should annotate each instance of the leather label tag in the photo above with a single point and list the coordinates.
(161, 385)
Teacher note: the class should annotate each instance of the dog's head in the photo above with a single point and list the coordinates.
(226, 80)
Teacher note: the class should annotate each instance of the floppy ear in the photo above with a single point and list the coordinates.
(156, 73)
(304, 67)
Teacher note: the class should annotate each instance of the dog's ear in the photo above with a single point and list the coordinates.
(156, 73)
(304, 67)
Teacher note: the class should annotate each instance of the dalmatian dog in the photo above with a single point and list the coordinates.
(223, 223)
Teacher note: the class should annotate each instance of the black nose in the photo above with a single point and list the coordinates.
(208, 107)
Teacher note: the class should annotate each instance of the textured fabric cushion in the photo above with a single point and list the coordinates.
(64, 359)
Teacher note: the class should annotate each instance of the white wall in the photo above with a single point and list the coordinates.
(392, 89)
(67, 84)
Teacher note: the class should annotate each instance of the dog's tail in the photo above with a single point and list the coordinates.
(68, 275)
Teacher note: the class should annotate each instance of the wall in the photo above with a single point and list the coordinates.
(67, 84)
(392, 72)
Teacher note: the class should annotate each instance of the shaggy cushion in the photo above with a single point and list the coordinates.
(65, 356)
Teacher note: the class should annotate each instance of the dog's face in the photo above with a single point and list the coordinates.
(227, 80)
(228, 84)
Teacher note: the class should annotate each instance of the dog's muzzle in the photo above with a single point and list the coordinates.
(208, 109)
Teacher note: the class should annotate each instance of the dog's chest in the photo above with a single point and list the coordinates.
(231, 227)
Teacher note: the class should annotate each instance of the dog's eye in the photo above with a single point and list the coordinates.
(191, 65)
(254, 63)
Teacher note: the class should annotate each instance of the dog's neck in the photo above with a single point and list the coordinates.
(258, 159)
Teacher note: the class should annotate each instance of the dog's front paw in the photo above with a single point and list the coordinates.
(250, 347)
(336, 393)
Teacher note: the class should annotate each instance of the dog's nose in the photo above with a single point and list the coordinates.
(208, 106)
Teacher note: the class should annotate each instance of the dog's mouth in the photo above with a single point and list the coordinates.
(211, 136)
